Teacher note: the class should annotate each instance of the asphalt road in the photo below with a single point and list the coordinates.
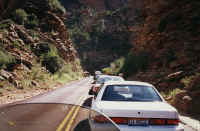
(45, 116)
(187, 128)
(52, 117)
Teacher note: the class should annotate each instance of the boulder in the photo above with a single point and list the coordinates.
(187, 99)
(2, 78)
(6, 75)
(176, 75)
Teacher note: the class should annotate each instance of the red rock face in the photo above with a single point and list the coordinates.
(173, 48)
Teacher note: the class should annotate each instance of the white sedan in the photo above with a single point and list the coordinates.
(102, 79)
(135, 106)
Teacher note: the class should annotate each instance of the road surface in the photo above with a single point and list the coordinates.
(52, 117)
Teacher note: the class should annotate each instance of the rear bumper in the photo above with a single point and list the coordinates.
(151, 128)
(109, 127)
(102, 126)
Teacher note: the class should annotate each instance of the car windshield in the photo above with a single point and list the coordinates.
(130, 93)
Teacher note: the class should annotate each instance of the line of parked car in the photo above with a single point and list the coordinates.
(131, 105)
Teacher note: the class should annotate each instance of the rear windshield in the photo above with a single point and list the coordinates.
(103, 79)
(130, 93)
(106, 79)
(117, 79)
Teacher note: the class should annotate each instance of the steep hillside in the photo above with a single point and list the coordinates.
(34, 45)
(99, 5)
(101, 35)
(170, 39)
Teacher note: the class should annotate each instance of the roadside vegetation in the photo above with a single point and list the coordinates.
(6, 59)
(30, 55)
(128, 65)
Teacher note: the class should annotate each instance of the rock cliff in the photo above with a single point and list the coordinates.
(34, 44)
(170, 37)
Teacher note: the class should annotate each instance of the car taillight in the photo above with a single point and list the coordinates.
(96, 89)
(126, 120)
(120, 120)
(173, 122)
(164, 122)
(100, 119)
(157, 122)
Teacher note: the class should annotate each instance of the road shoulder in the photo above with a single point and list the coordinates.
(195, 124)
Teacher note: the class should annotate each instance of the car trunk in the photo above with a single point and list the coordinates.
(137, 109)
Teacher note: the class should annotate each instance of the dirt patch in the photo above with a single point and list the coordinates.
(19, 95)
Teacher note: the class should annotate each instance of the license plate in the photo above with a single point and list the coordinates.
(138, 122)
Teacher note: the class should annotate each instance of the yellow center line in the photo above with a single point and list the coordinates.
(73, 117)
(67, 117)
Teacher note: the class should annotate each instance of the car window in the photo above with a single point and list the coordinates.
(130, 93)
(117, 79)
(103, 79)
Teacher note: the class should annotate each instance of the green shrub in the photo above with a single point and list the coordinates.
(107, 70)
(20, 16)
(55, 5)
(115, 67)
(187, 80)
(78, 36)
(16, 44)
(34, 34)
(171, 93)
(5, 59)
(5, 24)
(52, 60)
(32, 21)
(41, 49)
(134, 63)
(66, 73)
(192, 82)
(39, 74)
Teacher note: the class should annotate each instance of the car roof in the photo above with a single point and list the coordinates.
(128, 83)
(97, 72)
(100, 76)
(108, 76)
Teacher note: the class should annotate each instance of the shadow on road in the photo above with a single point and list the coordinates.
(83, 126)
(88, 102)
